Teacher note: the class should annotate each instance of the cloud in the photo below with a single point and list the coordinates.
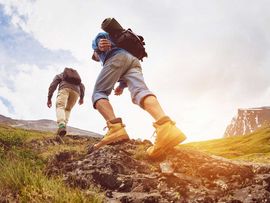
(4, 109)
(9, 109)
(18, 46)
(26, 69)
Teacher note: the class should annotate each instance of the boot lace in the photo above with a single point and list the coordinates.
(106, 127)
(154, 135)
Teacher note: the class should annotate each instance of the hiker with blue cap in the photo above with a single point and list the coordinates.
(120, 52)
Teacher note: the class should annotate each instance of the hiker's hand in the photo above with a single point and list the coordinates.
(81, 101)
(95, 56)
(118, 91)
(49, 103)
(104, 45)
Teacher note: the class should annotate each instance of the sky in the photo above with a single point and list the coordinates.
(205, 59)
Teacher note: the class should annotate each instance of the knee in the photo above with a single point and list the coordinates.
(60, 104)
(148, 101)
(98, 96)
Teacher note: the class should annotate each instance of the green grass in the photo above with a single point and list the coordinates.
(140, 152)
(22, 172)
(32, 185)
(252, 147)
(17, 136)
(22, 177)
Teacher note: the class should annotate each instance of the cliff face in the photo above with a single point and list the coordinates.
(248, 120)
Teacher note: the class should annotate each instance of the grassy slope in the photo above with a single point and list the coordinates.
(253, 147)
(22, 168)
(22, 171)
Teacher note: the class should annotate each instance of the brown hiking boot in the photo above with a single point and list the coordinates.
(61, 130)
(116, 133)
(168, 136)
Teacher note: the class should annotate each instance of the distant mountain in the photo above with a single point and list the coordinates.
(43, 125)
(248, 120)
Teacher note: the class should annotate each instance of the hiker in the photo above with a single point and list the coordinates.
(70, 89)
(121, 66)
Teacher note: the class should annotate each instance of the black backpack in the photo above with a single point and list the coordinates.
(71, 76)
(131, 42)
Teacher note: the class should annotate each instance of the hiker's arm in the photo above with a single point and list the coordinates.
(120, 88)
(82, 89)
(57, 79)
(122, 84)
(95, 56)
(49, 103)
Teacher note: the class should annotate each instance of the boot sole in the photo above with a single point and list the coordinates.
(169, 145)
(118, 139)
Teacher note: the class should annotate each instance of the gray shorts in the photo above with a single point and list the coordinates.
(122, 66)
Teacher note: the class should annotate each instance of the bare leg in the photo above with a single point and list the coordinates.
(105, 109)
(152, 106)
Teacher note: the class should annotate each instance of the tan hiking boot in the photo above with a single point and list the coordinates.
(116, 133)
(168, 136)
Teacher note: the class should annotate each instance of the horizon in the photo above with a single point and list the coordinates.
(40, 119)
(206, 60)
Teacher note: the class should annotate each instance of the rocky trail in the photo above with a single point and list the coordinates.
(124, 174)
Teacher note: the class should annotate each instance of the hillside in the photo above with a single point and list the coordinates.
(35, 167)
(44, 125)
(252, 147)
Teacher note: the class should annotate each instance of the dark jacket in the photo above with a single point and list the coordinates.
(58, 80)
